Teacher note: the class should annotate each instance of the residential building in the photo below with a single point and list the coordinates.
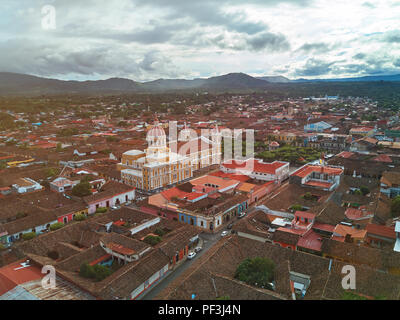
(62, 184)
(318, 176)
(257, 169)
(320, 126)
(111, 194)
(26, 185)
(390, 184)
(379, 236)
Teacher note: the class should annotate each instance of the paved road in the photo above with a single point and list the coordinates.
(208, 241)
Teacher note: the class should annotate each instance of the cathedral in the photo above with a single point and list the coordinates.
(163, 164)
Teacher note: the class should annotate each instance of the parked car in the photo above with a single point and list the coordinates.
(191, 255)
(230, 226)
(242, 215)
(197, 249)
(224, 233)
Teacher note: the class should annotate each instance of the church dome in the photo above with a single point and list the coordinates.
(156, 131)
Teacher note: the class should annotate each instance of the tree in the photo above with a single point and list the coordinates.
(296, 207)
(308, 196)
(364, 190)
(257, 272)
(160, 232)
(101, 272)
(347, 295)
(101, 210)
(86, 271)
(395, 207)
(21, 215)
(82, 189)
(96, 272)
(56, 226)
(152, 240)
(50, 172)
(79, 217)
(53, 255)
(28, 235)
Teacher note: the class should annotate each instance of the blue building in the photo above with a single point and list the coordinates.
(317, 127)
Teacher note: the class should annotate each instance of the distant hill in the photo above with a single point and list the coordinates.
(14, 83)
(275, 79)
(357, 79)
(172, 84)
(234, 80)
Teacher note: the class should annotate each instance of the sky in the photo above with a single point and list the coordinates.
(145, 40)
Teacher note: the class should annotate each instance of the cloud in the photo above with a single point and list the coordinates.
(392, 36)
(52, 60)
(315, 67)
(270, 41)
(369, 5)
(359, 56)
(316, 47)
(149, 39)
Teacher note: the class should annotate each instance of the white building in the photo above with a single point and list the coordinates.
(25, 185)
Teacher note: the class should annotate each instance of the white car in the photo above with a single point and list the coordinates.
(191, 255)
(224, 233)
(197, 249)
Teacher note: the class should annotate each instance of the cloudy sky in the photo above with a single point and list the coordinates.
(150, 39)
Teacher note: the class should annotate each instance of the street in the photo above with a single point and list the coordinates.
(208, 241)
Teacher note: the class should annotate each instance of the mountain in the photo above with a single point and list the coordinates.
(234, 80)
(395, 77)
(275, 79)
(14, 83)
(172, 84)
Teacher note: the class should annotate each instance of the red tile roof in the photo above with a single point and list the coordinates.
(102, 258)
(323, 226)
(387, 232)
(10, 277)
(318, 184)
(311, 240)
(383, 158)
(304, 214)
(120, 249)
(194, 195)
(233, 176)
(256, 165)
(345, 154)
(174, 192)
(308, 169)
